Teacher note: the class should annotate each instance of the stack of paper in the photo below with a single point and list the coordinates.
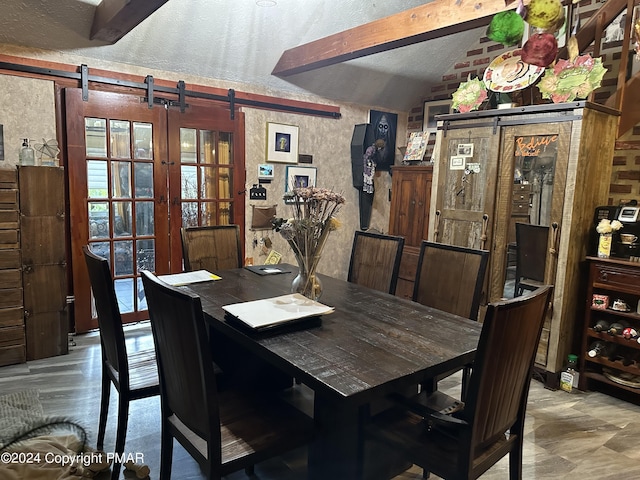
(270, 312)
(186, 278)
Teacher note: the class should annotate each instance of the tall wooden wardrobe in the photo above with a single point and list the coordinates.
(561, 156)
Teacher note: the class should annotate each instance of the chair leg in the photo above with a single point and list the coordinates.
(515, 461)
(104, 409)
(121, 432)
(166, 452)
(466, 373)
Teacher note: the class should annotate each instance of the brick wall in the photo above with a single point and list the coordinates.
(625, 182)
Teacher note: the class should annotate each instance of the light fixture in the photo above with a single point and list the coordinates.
(266, 3)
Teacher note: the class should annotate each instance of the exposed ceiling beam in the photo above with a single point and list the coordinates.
(113, 19)
(432, 20)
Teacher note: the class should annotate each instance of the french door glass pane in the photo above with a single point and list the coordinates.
(121, 179)
(189, 214)
(224, 209)
(144, 218)
(122, 215)
(120, 139)
(226, 181)
(95, 130)
(97, 179)
(207, 147)
(99, 220)
(124, 292)
(188, 145)
(123, 256)
(146, 255)
(142, 141)
(225, 146)
(143, 178)
(208, 183)
(189, 182)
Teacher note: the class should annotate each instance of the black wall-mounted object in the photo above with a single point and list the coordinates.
(361, 139)
(257, 193)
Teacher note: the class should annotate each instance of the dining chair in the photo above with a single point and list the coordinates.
(224, 431)
(133, 374)
(450, 278)
(531, 256)
(375, 261)
(458, 440)
(212, 248)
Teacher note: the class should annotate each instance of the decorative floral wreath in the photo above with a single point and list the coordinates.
(469, 95)
(569, 80)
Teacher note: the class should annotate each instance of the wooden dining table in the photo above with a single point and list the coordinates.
(373, 344)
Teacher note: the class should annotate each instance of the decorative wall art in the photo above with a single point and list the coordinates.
(282, 143)
(265, 171)
(384, 128)
(300, 177)
(431, 109)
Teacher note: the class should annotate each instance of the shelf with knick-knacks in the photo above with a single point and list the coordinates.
(610, 353)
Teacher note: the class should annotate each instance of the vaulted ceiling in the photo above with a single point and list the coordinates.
(242, 41)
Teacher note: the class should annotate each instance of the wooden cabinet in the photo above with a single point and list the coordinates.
(43, 260)
(610, 280)
(564, 153)
(12, 335)
(409, 218)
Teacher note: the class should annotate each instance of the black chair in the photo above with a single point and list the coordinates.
(212, 248)
(223, 431)
(462, 441)
(531, 256)
(375, 261)
(133, 374)
(450, 278)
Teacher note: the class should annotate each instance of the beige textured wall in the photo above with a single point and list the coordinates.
(327, 140)
(28, 111)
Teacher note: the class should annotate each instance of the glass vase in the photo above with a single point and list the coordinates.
(307, 283)
(604, 245)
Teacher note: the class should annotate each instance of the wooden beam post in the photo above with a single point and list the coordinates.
(113, 19)
(419, 24)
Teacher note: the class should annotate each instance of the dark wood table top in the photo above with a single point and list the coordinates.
(373, 344)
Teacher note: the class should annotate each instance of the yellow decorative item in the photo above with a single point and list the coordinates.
(606, 228)
(545, 14)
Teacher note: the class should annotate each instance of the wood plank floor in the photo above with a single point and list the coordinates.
(574, 436)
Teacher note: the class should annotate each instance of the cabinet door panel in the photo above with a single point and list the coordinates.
(465, 196)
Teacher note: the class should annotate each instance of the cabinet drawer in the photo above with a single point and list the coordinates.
(8, 178)
(521, 197)
(10, 259)
(520, 208)
(10, 279)
(9, 239)
(615, 277)
(9, 219)
(521, 189)
(11, 297)
(13, 355)
(11, 336)
(8, 199)
(11, 317)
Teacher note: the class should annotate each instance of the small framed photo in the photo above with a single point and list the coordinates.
(265, 171)
(457, 163)
(600, 302)
(282, 143)
(465, 150)
(300, 177)
(431, 109)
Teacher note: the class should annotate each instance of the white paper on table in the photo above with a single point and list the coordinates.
(277, 310)
(177, 279)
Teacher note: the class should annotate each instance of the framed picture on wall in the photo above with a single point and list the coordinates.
(282, 143)
(431, 109)
(299, 177)
(265, 171)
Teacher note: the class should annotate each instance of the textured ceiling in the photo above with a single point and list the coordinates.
(239, 41)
